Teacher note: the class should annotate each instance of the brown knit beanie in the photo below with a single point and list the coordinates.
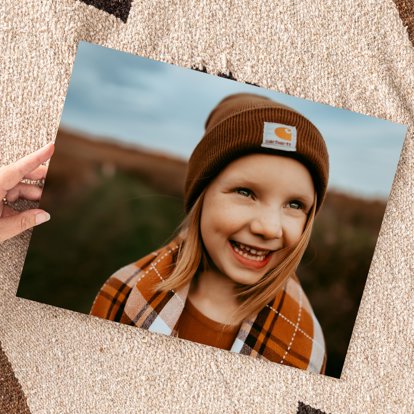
(245, 123)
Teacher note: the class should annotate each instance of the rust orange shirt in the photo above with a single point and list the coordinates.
(196, 327)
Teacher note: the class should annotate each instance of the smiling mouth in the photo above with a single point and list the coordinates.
(250, 252)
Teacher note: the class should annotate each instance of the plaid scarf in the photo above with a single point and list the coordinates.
(285, 331)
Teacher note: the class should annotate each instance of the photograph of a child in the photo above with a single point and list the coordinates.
(254, 184)
(224, 246)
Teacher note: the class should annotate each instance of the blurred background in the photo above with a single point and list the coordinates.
(115, 184)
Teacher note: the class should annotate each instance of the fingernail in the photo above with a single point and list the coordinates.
(42, 217)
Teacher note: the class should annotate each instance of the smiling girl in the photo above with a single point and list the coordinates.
(254, 184)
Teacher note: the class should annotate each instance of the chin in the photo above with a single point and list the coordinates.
(247, 280)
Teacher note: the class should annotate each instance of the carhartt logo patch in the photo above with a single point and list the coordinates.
(279, 136)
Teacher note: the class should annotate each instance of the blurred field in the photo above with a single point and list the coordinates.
(111, 204)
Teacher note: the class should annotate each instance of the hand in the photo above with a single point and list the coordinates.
(30, 167)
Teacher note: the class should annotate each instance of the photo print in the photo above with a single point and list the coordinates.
(210, 210)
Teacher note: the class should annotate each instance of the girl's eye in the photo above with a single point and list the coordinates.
(245, 192)
(295, 204)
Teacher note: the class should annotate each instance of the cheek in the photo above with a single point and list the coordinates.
(294, 230)
(210, 223)
(216, 215)
(215, 224)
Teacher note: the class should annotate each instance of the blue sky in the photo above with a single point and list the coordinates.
(119, 96)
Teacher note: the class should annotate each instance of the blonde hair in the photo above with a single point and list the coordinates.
(191, 253)
(192, 257)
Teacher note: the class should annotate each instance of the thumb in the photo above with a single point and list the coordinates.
(14, 225)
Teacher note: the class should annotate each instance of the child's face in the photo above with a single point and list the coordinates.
(255, 207)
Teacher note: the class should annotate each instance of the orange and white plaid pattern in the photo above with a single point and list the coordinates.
(285, 331)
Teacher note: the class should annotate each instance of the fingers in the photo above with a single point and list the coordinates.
(22, 190)
(12, 174)
(15, 224)
(38, 174)
(29, 167)
(8, 211)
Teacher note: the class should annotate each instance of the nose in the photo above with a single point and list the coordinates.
(267, 224)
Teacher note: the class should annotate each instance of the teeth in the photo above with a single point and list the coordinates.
(249, 252)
